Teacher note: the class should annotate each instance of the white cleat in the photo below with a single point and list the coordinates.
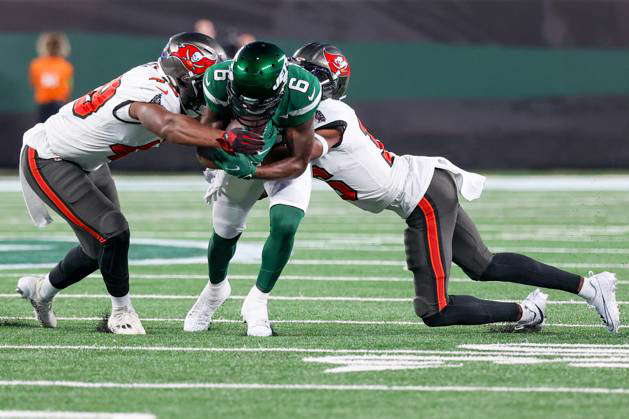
(200, 315)
(604, 301)
(125, 321)
(533, 311)
(29, 287)
(256, 315)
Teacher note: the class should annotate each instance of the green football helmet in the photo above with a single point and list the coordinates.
(256, 84)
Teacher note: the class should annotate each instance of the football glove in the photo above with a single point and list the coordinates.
(240, 166)
(239, 140)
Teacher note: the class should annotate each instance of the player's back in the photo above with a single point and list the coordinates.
(97, 128)
(359, 168)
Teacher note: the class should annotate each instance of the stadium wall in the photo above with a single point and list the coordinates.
(491, 84)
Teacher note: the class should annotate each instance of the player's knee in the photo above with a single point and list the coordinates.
(424, 308)
(228, 230)
(434, 320)
(478, 271)
(113, 224)
(285, 220)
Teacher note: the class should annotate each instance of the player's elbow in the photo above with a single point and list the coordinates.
(170, 125)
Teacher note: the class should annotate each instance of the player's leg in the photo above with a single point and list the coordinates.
(68, 190)
(234, 199)
(289, 200)
(82, 260)
(471, 254)
(428, 242)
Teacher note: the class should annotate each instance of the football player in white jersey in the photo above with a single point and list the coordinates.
(64, 164)
(424, 192)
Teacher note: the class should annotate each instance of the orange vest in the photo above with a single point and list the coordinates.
(51, 78)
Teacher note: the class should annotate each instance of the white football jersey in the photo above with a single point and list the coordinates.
(364, 173)
(96, 128)
(359, 168)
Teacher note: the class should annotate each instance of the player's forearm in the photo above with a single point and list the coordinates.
(286, 168)
(181, 129)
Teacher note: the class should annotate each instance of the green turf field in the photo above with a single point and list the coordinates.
(348, 344)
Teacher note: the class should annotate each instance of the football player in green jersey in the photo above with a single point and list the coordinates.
(262, 91)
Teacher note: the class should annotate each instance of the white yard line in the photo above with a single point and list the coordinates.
(318, 387)
(276, 297)
(280, 298)
(333, 278)
(202, 260)
(308, 321)
(44, 414)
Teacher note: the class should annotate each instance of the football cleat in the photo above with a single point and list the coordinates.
(533, 308)
(200, 315)
(604, 301)
(256, 315)
(125, 321)
(29, 287)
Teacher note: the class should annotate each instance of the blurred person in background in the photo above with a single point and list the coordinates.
(238, 40)
(51, 73)
(206, 27)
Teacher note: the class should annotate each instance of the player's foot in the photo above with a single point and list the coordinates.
(533, 308)
(30, 288)
(200, 315)
(255, 313)
(125, 321)
(604, 299)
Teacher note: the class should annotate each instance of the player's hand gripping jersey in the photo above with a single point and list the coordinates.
(297, 106)
(96, 128)
(364, 173)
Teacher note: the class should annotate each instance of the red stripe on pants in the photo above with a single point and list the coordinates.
(32, 164)
(432, 231)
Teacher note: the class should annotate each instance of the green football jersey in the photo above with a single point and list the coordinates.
(302, 94)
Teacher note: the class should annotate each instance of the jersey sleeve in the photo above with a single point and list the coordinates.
(215, 87)
(305, 94)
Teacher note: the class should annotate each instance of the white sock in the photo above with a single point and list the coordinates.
(47, 290)
(120, 302)
(587, 290)
(258, 295)
(218, 286)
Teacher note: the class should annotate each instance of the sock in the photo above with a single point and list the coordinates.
(587, 290)
(279, 245)
(512, 267)
(75, 266)
(120, 302)
(256, 294)
(113, 261)
(47, 289)
(219, 252)
(468, 310)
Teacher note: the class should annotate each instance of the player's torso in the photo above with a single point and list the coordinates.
(359, 169)
(299, 101)
(97, 128)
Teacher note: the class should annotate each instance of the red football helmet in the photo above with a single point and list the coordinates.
(184, 60)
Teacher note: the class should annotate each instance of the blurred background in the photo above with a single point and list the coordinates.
(518, 84)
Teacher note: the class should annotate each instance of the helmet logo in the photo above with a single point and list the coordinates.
(338, 63)
(281, 79)
(193, 59)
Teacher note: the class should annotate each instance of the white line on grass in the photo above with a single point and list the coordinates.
(309, 321)
(319, 387)
(280, 298)
(201, 260)
(44, 414)
(332, 278)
